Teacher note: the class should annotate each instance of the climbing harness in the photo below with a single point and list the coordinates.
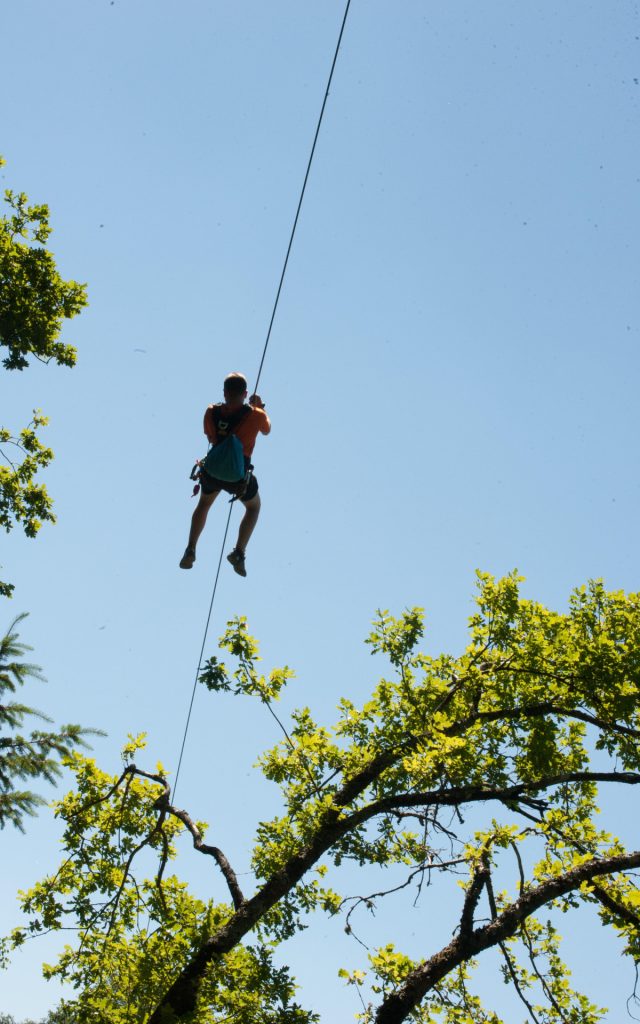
(264, 353)
(239, 490)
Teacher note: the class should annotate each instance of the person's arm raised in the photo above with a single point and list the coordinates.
(256, 403)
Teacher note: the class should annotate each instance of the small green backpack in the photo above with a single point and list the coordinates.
(225, 459)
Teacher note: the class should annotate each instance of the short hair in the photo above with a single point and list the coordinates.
(235, 385)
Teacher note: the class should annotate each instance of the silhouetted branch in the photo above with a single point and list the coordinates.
(399, 1004)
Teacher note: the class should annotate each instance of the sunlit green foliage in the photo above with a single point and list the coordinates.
(245, 679)
(22, 500)
(135, 933)
(34, 303)
(34, 299)
(465, 772)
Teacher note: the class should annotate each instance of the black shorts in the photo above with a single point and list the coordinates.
(211, 484)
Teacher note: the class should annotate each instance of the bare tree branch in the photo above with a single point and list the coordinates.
(509, 794)
(106, 796)
(513, 974)
(616, 908)
(533, 960)
(229, 874)
(165, 807)
(399, 1004)
(421, 869)
(181, 997)
(474, 892)
(163, 804)
(535, 711)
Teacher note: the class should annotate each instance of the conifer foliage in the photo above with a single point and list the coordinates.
(31, 755)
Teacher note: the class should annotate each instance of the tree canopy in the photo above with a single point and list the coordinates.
(34, 299)
(464, 771)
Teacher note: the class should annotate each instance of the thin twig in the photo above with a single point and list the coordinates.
(507, 957)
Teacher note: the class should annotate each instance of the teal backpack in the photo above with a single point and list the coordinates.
(225, 459)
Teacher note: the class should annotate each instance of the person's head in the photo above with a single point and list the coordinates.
(235, 389)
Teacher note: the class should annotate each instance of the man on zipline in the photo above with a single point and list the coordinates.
(230, 419)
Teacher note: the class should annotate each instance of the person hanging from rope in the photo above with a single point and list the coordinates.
(232, 428)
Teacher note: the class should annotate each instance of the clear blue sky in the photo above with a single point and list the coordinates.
(452, 377)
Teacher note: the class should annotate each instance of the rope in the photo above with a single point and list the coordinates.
(264, 353)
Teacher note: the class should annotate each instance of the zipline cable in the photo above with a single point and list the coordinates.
(304, 186)
(204, 640)
(264, 353)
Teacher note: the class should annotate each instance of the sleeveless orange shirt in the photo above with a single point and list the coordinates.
(257, 422)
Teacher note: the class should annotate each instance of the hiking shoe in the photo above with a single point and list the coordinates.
(189, 557)
(236, 558)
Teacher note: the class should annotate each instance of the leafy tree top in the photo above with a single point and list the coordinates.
(34, 298)
(34, 302)
(528, 728)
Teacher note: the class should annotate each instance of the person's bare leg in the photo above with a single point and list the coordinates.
(198, 520)
(248, 522)
(199, 517)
